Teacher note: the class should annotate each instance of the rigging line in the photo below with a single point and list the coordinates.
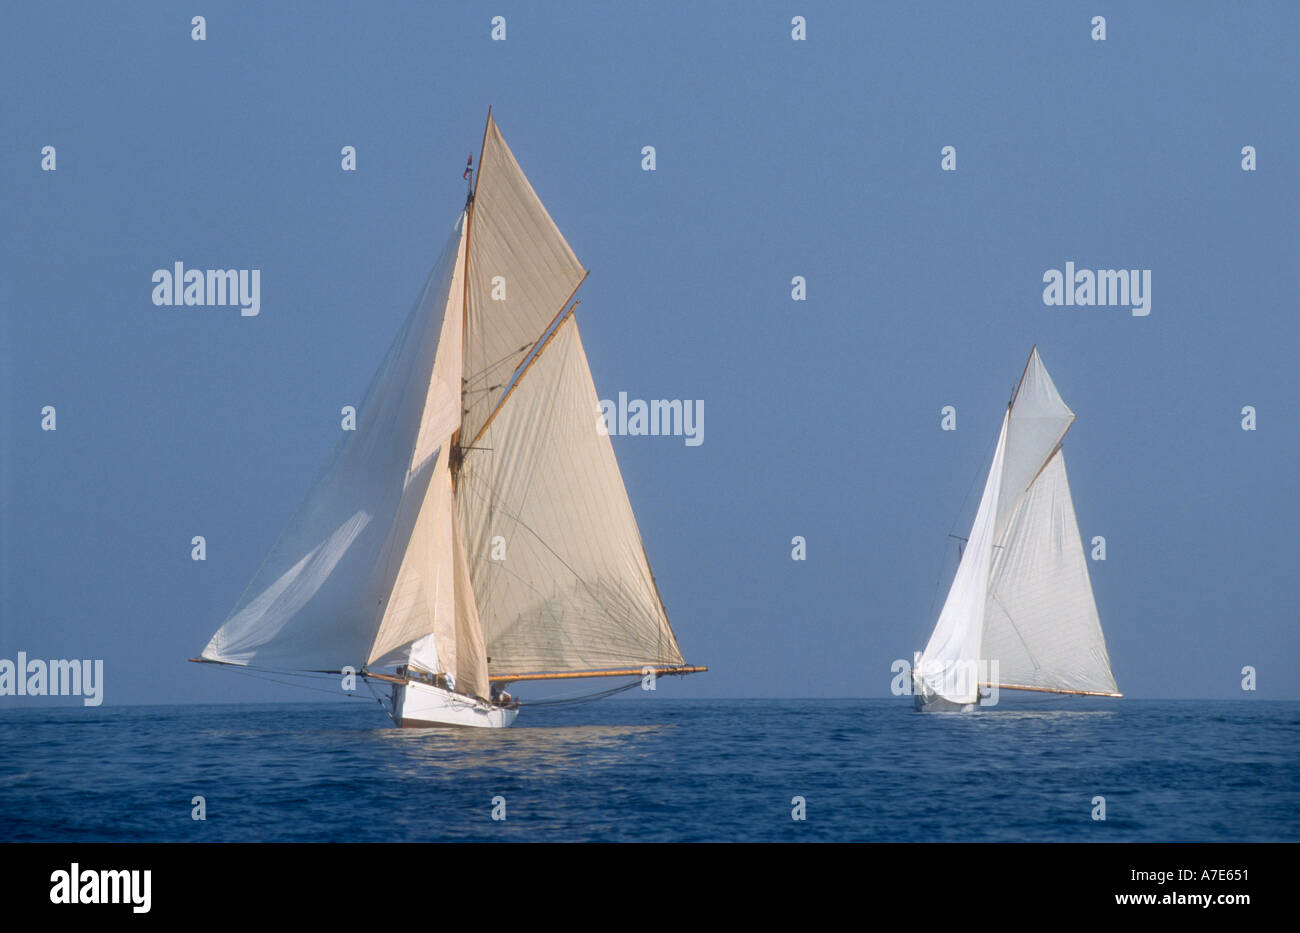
(241, 668)
(469, 391)
(391, 713)
(525, 365)
(258, 674)
(533, 350)
(490, 366)
(584, 698)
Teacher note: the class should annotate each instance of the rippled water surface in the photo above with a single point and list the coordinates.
(661, 770)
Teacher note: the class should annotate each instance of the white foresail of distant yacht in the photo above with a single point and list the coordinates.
(1020, 614)
(474, 530)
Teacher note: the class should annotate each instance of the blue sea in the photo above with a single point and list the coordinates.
(658, 770)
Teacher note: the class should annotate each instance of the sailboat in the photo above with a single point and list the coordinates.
(473, 531)
(1020, 614)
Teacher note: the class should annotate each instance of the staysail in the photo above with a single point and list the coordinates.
(431, 623)
(1021, 596)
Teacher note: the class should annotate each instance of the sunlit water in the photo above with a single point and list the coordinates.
(660, 770)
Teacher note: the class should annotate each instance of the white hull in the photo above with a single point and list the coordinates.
(927, 702)
(933, 703)
(422, 706)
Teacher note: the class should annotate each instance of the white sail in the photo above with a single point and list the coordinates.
(521, 274)
(1036, 425)
(948, 665)
(1021, 596)
(568, 587)
(318, 599)
(1041, 623)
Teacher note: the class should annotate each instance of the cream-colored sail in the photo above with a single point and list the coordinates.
(423, 598)
(431, 622)
(421, 610)
(471, 653)
(464, 528)
(442, 404)
(521, 275)
(554, 552)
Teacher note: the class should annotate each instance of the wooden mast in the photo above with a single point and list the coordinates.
(457, 455)
(1021, 380)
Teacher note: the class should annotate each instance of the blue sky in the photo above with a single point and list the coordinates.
(775, 158)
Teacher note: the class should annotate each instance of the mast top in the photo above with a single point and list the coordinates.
(1033, 351)
(469, 175)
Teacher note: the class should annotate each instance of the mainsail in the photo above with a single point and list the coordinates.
(561, 577)
(1021, 595)
(475, 525)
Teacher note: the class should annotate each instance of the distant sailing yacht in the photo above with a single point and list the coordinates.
(1020, 614)
(474, 530)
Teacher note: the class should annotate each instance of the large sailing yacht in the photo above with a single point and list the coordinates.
(1020, 614)
(474, 530)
